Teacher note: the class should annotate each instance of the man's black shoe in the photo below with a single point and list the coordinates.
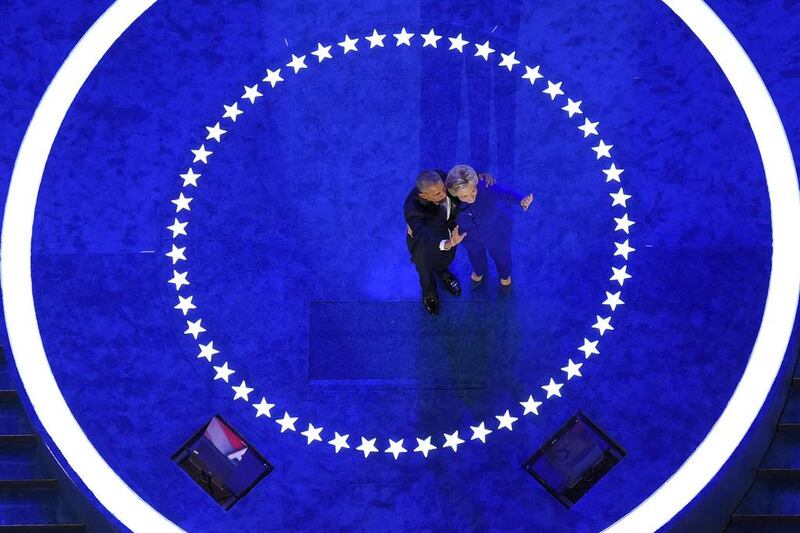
(451, 283)
(431, 304)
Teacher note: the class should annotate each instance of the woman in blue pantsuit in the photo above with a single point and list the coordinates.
(486, 220)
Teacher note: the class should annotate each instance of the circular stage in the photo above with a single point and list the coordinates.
(216, 228)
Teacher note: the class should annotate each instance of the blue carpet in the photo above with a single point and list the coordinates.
(298, 267)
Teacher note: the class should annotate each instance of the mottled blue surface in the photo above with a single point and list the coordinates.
(301, 203)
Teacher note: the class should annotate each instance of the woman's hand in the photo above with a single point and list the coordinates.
(526, 202)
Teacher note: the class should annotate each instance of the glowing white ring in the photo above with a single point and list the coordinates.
(15, 275)
(660, 507)
(784, 281)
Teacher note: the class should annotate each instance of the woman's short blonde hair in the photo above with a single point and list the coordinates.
(459, 177)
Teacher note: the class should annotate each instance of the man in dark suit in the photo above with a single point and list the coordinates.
(432, 236)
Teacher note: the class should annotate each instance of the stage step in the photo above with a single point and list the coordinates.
(8, 395)
(5, 373)
(773, 502)
(26, 439)
(40, 506)
(762, 525)
(791, 413)
(21, 462)
(24, 484)
(12, 416)
(44, 528)
(5, 378)
(29, 499)
(784, 453)
(777, 497)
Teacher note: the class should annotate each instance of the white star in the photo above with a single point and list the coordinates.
(215, 132)
(532, 74)
(623, 223)
(553, 89)
(201, 154)
(603, 324)
(612, 173)
(403, 38)
(531, 406)
(312, 434)
(251, 93)
(483, 50)
(457, 43)
(509, 60)
(480, 432)
(287, 422)
(242, 391)
(367, 446)
(603, 149)
(620, 198)
(194, 328)
(181, 203)
(506, 421)
(623, 249)
(452, 441)
(207, 351)
(232, 111)
(179, 279)
(264, 408)
(176, 254)
(573, 107)
(190, 178)
(178, 228)
(185, 304)
(424, 446)
(572, 370)
(376, 39)
(612, 300)
(297, 63)
(553, 388)
(223, 372)
(322, 52)
(273, 77)
(395, 448)
(589, 127)
(620, 274)
(430, 39)
(589, 348)
(339, 442)
(349, 45)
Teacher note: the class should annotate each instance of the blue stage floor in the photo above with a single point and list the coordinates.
(299, 275)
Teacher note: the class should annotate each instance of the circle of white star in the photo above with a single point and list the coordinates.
(403, 38)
